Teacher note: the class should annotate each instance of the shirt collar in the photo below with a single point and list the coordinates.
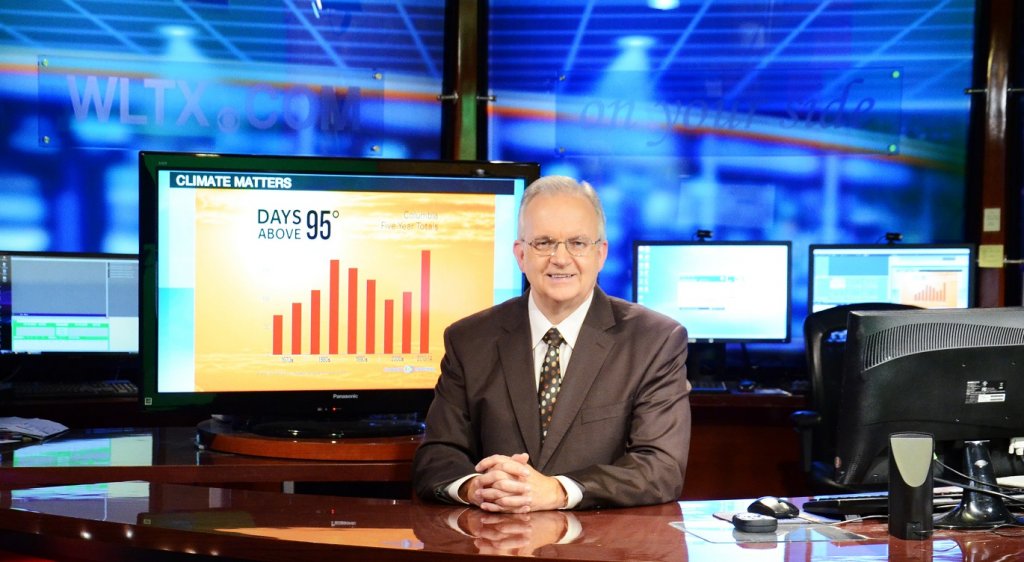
(569, 328)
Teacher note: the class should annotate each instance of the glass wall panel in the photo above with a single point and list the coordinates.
(85, 85)
(809, 121)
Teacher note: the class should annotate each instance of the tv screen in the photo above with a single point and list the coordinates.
(720, 291)
(923, 275)
(68, 316)
(309, 286)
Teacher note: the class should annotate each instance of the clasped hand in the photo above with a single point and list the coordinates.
(509, 484)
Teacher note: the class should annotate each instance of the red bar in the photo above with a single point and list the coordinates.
(425, 301)
(296, 328)
(278, 334)
(371, 324)
(406, 322)
(314, 322)
(389, 325)
(353, 302)
(332, 326)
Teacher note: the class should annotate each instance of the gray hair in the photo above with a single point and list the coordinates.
(563, 185)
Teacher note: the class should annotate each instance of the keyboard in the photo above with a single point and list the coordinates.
(39, 390)
(875, 503)
(708, 384)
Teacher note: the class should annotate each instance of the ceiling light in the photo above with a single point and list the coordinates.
(663, 4)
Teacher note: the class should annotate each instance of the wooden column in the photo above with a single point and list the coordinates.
(995, 202)
(459, 114)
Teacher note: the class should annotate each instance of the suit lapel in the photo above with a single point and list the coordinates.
(516, 358)
(592, 348)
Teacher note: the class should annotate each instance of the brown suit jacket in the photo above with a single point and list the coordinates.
(621, 428)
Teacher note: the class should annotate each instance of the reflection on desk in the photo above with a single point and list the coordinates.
(171, 455)
(131, 521)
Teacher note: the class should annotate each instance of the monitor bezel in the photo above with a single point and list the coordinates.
(300, 403)
(788, 244)
(971, 274)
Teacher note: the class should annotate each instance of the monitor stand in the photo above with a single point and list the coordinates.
(977, 510)
(706, 360)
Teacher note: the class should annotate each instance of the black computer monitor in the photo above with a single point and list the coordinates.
(720, 291)
(315, 291)
(957, 374)
(923, 275)
(68, 315)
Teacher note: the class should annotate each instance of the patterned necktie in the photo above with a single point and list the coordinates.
(550, 380)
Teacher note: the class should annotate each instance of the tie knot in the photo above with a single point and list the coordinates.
(553, 337)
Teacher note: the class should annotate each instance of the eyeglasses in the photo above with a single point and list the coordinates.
(578, 246)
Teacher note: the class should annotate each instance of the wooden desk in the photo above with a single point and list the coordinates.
(86, 411)
(743, 445)
(170, 455)
(143, 521)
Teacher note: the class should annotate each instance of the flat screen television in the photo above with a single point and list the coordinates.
(720, 291)
(68, 316)
(957, 374)
(923, 275)
(314, 288)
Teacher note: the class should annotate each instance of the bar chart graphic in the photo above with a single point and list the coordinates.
(931, 289)
(360, 299)
(360, 333)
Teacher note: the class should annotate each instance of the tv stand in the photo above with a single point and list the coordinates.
(337, 428)
(226, 437)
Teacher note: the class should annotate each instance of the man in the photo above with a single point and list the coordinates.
(616, 433)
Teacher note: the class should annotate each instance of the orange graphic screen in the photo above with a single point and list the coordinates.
(317, 290)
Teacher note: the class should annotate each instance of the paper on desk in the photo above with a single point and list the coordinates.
(1016, 481)
(717, 530)
(35, 428)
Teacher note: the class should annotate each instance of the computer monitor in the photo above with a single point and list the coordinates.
(312, 288)
(923, 275)
(68, 315)
(957, 374)
(720, 291)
